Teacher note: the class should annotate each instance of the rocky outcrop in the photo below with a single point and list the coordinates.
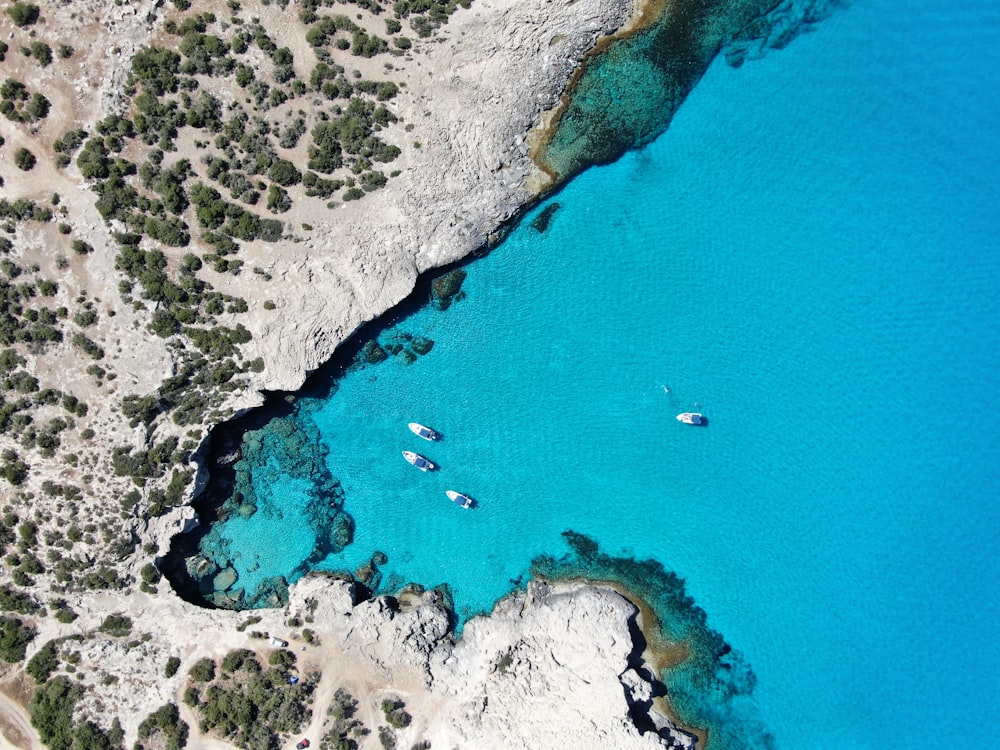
(556, 664)
(554, 667)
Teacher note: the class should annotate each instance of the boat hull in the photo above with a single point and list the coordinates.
(463, 501)
(692, 417)
(422, 431)
(419, 461)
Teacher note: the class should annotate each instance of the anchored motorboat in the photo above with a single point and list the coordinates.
(421, 431)
(692, 417)
(459, 499)
(419, 461)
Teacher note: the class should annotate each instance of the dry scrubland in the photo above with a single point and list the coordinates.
(199, 203)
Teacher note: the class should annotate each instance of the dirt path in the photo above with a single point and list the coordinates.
(16, 732)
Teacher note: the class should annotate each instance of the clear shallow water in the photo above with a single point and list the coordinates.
(810, 255)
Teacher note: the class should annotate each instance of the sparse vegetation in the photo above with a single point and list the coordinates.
(250, 706)
(203, 670)
(395, 713)
(267, 140)
(345, 730)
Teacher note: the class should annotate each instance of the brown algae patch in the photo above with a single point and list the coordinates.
(538, 138)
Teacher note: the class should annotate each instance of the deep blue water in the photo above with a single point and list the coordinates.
(810, 256)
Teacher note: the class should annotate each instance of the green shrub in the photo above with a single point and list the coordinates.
(284, 173)
(44, 663)
(165, 722)
(85, 318)
(236, 659)
(150, 575)
(116, 625)
(24, 160)
(387, 738)
(41, 52)
(63, 612)
(51, 711)
(23, 14)
(278, 200)
(282, 659)
(173, 664)
(203, 670)
(12, 600)
(88, 346)
(15, 636)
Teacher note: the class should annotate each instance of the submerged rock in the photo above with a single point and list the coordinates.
(200, 567)
(366, 573)
(225, 579)
(541, 222)
(272, 592)
(421, 345)
(445, 287)
(372, 353)
(342, 532)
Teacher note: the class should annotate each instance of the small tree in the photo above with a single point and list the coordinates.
(24, 159)
(118, 625)
(23, 14)
(203, 670)
(14, 638)
(41, 52)
(44, 663)
(173, 664)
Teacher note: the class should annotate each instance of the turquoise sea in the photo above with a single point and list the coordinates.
(810, 255)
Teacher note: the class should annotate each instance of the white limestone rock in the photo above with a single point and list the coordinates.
(548, 669)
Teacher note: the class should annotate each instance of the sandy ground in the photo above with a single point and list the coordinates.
(16, 732)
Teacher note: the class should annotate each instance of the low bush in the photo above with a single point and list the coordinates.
(24, 160)
(23, 14)
(116, 625)
(15, 635)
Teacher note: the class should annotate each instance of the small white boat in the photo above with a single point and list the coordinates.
(459, 499)
(691, 417)
(419, 461)
(420, 431)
